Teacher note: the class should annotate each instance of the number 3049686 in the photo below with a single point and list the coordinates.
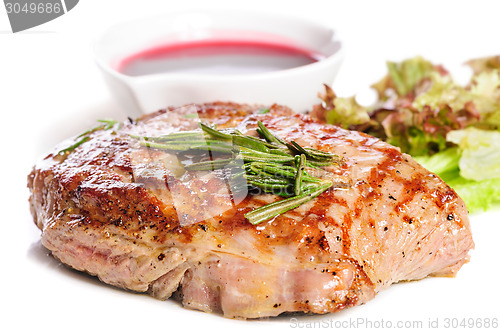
(471, 323)
(33, 8)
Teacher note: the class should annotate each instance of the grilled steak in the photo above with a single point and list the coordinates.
(117, 210)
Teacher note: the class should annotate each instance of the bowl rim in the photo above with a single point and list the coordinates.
(283, 73)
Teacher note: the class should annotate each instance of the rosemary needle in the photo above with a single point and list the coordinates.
(84, 137)
(74, 146)
(270, 211)
(300, 171)
(209, 165)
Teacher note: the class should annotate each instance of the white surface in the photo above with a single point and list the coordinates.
(51, 89)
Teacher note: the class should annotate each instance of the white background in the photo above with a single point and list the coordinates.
(51, 89)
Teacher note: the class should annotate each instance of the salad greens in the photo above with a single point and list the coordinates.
(451, 129)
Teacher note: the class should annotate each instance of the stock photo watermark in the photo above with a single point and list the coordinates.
(26, 14)
(430, 323)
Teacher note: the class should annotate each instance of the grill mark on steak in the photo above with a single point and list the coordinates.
(107, 209)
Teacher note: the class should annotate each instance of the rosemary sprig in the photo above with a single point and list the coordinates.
(84, 137)
(74, 146)
(272, 210)
(270, 164)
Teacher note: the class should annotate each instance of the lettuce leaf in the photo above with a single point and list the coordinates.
(480, 159)
(347, 112)
(416, 133)
(477, 195)
(484, 64)
(485, 94)
(341, 111)
(404, 76)
(445, 162)
(443, 91)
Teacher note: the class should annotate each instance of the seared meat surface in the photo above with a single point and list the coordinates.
(130, 215)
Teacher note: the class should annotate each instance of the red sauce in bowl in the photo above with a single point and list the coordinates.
(219, 57)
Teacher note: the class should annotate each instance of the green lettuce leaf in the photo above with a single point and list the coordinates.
(477, 195)
(480, 158)
(445, 162)
(404, 76)
(443, 91)
(485, 94)
(341, 111)
(347, 112)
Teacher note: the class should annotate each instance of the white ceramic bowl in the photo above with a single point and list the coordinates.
(297, 87)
